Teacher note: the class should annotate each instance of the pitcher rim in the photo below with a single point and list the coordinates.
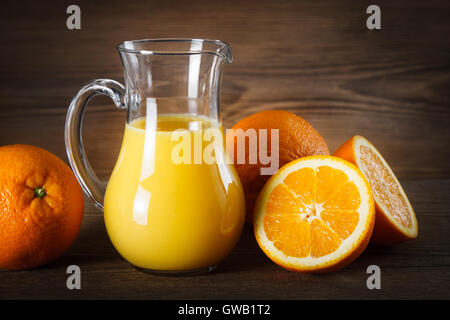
(227, 55)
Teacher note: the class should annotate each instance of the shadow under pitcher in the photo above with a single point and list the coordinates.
(167, 209)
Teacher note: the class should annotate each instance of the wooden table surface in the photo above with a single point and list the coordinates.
(314, 58)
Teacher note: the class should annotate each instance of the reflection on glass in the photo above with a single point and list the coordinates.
(142, 198)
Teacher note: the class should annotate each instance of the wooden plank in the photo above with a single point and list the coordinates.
(419, 268)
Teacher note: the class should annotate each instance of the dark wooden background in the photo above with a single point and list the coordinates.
(314, 58)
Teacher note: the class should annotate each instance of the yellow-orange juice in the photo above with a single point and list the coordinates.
(169, 216)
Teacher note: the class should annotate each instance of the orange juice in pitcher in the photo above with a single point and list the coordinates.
(181, 216)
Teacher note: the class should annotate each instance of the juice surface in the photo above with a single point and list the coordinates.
(161, 214)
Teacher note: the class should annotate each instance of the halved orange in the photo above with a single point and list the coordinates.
(395, 220)
(316, 214)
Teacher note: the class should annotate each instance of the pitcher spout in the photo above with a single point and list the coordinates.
(224, 51)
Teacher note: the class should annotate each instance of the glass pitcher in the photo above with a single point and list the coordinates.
(174, 203)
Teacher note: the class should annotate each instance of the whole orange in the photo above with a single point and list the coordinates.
(41, 207)
(297, 138)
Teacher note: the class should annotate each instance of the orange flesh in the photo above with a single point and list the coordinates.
(385, 188)
(312, 212)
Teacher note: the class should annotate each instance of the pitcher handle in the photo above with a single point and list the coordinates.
(79, 162)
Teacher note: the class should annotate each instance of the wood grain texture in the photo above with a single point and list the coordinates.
(314, 58)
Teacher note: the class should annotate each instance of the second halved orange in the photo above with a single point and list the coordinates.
(395, 220)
